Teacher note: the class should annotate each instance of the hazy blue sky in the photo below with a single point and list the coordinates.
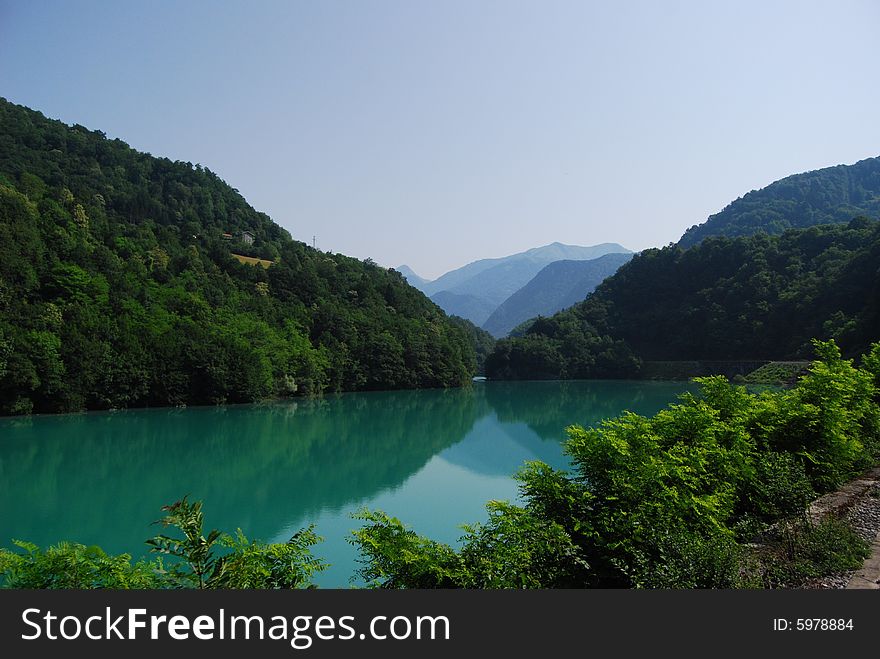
(436, 133)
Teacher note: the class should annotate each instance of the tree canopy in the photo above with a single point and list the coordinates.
(824, 196)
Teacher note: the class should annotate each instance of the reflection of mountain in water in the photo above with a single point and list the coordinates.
(497, 449)
(102, 477)
(549, 407)
(529, 419)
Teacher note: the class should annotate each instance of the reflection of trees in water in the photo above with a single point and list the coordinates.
(102, 477)
(548, 407)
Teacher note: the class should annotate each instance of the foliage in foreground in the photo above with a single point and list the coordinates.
(804, 550)
(215, 560)
(72, 565)
(673, 501)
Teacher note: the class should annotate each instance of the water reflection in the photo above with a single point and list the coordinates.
(431, 457)
(104, 476)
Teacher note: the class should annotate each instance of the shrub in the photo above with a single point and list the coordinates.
(670, 501)
(196, 560)
(71, 565)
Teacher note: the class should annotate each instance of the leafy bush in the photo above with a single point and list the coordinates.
(776, 487)
(805, 550)
(71, 565)
(514, 549)
(196, 560)
(517, 549)
(679, 559)
(194, 549)
(395, 556)
(253, 564)
(670, 501)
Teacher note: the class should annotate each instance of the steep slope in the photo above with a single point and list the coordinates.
(480, 339)
(557, 286)
(750, 298)
(411, 277)
(829, 195)
(494, 280)
(118, 287)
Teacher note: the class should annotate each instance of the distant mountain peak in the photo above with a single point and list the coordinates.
(475, 290)
(406, 271)
(411, 277)
(558, 244)
(557, 286)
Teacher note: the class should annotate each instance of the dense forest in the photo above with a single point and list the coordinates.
(824, 196)
(480, 339)
(118, 287)
(749, 298)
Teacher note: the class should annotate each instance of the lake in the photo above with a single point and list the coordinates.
(432, 458)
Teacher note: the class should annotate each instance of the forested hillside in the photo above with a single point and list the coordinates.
(829, 195)
(118, 287)
(758, 297)
(480, 339)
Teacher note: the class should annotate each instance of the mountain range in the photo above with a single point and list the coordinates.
(474, 291)
(500, 293)
(557, 286)
(411, 277)
(794, 261)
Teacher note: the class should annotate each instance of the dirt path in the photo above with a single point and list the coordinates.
(859, 503)
(869, 576)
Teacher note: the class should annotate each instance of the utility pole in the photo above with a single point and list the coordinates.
(314, 242)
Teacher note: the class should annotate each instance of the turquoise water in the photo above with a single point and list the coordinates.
(431, 458)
